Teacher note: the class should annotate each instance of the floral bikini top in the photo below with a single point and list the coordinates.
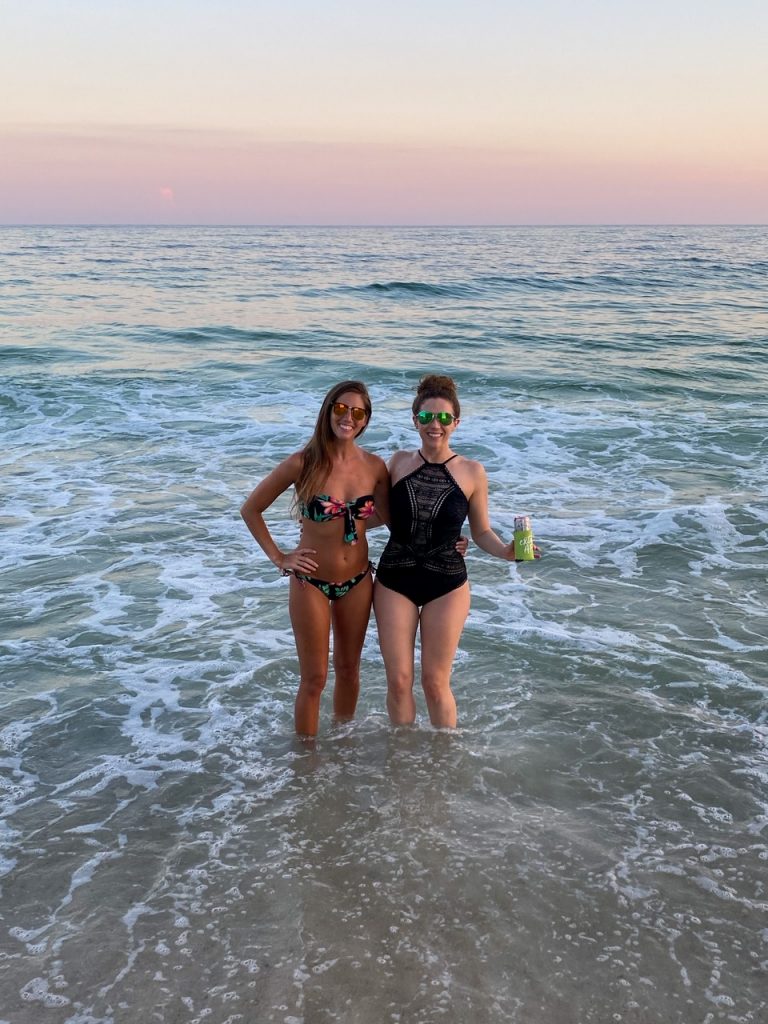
(322, 507)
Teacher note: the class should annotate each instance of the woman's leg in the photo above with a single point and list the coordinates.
(350, 615)
(442, 621)
(311, 621)
(397, 619)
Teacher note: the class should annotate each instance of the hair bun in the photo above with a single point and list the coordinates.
(437, 385)
(438, 381)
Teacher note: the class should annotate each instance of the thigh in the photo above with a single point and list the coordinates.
(397, 619)
(350, 616)
(311, 620)
(442, 622)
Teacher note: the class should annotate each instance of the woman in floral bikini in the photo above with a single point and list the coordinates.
(339, 487)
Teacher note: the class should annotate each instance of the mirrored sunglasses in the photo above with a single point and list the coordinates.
(340, 410)
(443, 418)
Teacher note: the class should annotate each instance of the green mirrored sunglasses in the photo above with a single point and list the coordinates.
(443, 418)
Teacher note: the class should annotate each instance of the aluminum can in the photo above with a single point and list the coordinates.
(523, 539)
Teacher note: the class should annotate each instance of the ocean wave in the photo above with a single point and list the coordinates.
(605, 792)
(411, 289)
(40, 355)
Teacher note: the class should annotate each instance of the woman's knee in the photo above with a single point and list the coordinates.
(313, 683)
(400, 684)
(436, 686)
(346, 668)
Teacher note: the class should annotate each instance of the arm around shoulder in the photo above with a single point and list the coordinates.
(380, 495)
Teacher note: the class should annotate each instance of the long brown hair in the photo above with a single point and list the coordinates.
(436, 386)
(317, 452)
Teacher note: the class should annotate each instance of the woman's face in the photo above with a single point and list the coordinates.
(435, 432)
(346, 418)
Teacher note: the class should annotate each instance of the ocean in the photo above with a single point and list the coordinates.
(591, 844)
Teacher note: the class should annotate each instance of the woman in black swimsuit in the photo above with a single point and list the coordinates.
(339, 488)
(422, 580)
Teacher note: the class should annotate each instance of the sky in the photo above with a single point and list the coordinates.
(404, 112)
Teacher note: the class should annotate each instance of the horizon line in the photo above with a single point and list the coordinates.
(366, 226)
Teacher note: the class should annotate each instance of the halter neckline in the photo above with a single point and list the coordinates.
(424, 459)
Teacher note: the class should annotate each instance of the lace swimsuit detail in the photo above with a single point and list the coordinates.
(321, 508)
(427, 509)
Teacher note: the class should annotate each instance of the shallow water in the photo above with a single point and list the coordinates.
(590, 845)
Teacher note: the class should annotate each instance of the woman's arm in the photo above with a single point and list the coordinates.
(260, 498)
(479, 524)
(381, 498)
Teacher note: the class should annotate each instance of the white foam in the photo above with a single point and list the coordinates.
(37, 990)
(633, 650)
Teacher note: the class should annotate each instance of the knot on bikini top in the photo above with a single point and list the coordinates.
(322, 507)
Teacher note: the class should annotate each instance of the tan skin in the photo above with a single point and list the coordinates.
(323, 554)
(441, 621)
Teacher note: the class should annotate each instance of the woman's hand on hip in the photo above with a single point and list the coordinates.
(299, 560)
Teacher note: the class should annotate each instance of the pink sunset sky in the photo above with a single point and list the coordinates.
(491, 112)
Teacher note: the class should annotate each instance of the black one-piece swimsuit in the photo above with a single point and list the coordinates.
(427, 509)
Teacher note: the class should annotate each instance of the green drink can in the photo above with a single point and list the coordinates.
(523, 539)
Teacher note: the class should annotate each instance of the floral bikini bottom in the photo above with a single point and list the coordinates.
(333, 591)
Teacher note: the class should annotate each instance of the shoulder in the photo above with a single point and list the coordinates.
(468, 465)
(477, 469)
(294, 463)
(289, 470)
(274, 483)
(375, 462)
(470, 473)
(401, 463)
